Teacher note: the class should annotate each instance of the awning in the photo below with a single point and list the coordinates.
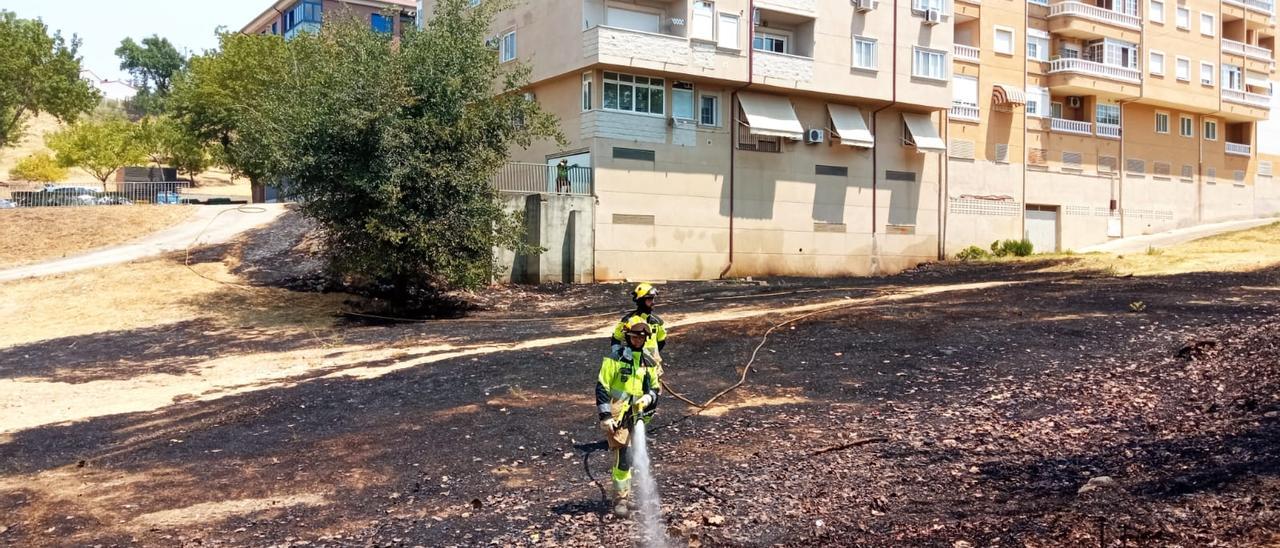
(1008, 95)
(771, 116)
(922, 134)
(1257, 80)
(850, 126)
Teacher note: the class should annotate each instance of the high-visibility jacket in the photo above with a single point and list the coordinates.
(625, 376)
(657, 340)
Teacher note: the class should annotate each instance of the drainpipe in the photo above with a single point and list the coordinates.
(733, 125)
(945, 168)
(875, 136)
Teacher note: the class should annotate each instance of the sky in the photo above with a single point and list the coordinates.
(101, 24)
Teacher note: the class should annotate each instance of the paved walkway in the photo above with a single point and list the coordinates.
(1136, 244)
(212, 224)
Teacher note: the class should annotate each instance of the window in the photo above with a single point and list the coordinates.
(382, 23)
(1155, 11)
(643, 21)
(709, 111)
(1208, 24)
(964, 91)
(1210, 130)
(1055, 110)
(682, 100)
(507, 51)
(765, 41)
(759, 143)
(1038, 102)
(1108, 114)
(1004, 40)
(275, 27)
(1182, 18)
(630, 93)
(1183, 69)
(588, 81)
(1112, 52)
(1162, 122)
(306, 11)
(1206, 73)
(1156, 63)
(929, 63)
(864, 53)
(1185, 128)
(1233, 77)
(1037, 45)
(704, 20)
(728, 31)
(923, 5)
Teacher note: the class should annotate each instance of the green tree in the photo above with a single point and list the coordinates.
(38, 73)
(390, 148)
(99, 147)
(39, 167)
(168, 143)
(153, 64)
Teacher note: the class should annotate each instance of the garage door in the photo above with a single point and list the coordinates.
(1042, 228)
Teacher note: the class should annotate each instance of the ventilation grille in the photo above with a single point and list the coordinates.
(837, 171)
(962, 149)
(1162, 169)
(1212, 174)
(1187, 171)
(1264, 168)
(1002, 153)
(623, 219)
(1038, 157)
(1107, 164)
(830, 227)
(1136, 166)
(1238, 176)
(909, 176)
(1070, 160)
(633, 154)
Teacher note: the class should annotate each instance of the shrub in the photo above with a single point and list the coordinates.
(972, 253)
(1016, 248)
(38, 168)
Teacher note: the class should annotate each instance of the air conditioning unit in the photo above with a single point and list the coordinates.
(492, 42)
(1074, 102)
(864, 5)
(933, 16)
(815, 136)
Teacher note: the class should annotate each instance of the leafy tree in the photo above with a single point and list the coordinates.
(39, 167)
(38, 73)
(169, 143)
(153, 64)
(99, 147)
(390, 148)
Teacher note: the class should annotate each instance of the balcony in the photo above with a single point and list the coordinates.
(525, 178)
(964, 112)
(1260, 6)
(1249, 51)
(1255, 100)
(647, 50)
(1108, 131)
(1095, 69)
(1074, 127)
(1069, 10)
(305, 26)
(782, 66)
(965, 53)
(1237, 149)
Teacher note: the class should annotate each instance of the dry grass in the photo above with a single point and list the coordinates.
(1240, 251)
(43, 233)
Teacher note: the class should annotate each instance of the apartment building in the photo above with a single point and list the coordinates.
(745, 137)
(289, 17)
(1074, 122)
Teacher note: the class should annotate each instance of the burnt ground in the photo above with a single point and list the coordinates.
(996, 406)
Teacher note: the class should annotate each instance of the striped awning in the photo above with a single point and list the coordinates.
(1008, 95)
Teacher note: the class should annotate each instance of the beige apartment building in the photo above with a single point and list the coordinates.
(854, 137)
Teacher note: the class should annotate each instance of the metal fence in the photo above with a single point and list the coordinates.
(525, 178)
(13, 196)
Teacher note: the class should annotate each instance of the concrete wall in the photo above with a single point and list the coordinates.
(562, 226)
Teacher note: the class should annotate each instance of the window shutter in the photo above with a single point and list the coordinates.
(1134, 165)
(962, 149)
(1070, 160)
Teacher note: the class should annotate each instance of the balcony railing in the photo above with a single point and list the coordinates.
(1110, 131)
(965, 53)
(966, 112)
(1248, 50)
(1239, 149)
(1071, 126)
(1263, 6)
(524, 178)
(1095, 13)
(1246, 98)
(305, 26)
(1093, 68)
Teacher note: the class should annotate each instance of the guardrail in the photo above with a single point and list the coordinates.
(965, 112)
(1256, 53)
(527, 178)
(1256, 5)
(1094, 68)
(1071, 126)
(1239, 149)
(82, 195)
(1246, 98)
(1109, 131)
(1095, 13)
(965, 53)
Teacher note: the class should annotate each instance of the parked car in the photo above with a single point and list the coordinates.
(7, 204)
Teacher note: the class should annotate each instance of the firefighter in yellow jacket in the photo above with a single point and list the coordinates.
(643, 295)
(626, 390)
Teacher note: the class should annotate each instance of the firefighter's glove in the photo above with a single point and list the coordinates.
(608, 426)
(644, 401)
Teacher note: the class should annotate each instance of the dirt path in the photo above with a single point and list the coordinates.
(211, 224)
(1139, 244)
(998, 402)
